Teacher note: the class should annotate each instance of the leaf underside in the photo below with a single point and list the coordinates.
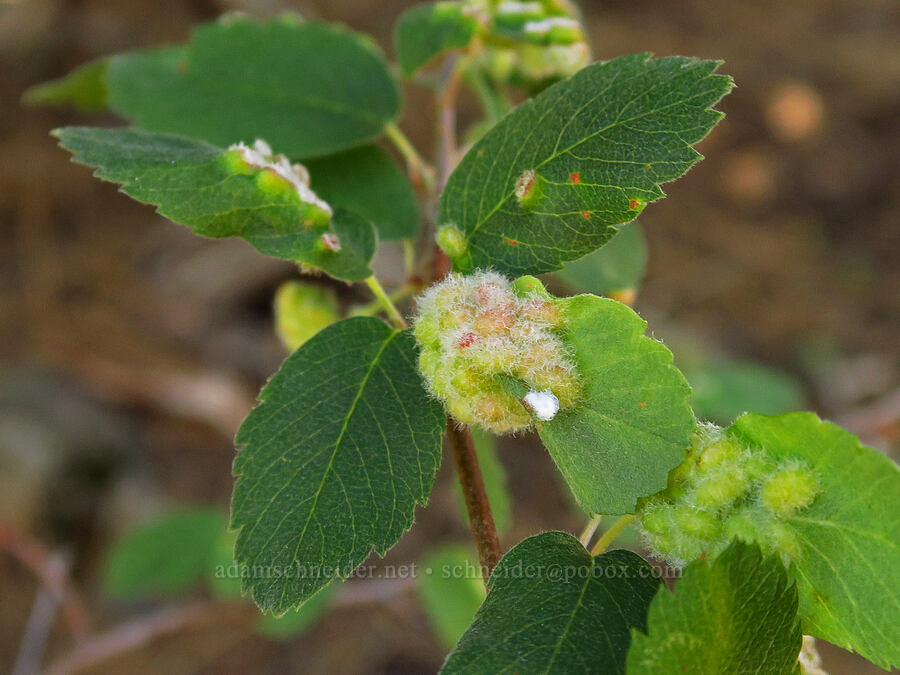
(600, 144)
(634, 421)
(189, 183)
(738, 615)
(552, 608)
(343, 445)
(848, 572)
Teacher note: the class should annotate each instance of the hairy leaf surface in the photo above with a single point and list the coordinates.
(191, 183)
(738, 615)
(584, 156)
(552, 608)
(634, 421)
(848, 572)
(343, 445)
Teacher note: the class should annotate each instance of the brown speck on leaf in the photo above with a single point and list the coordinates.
(575, 178)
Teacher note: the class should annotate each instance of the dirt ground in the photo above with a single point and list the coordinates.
(130, 350)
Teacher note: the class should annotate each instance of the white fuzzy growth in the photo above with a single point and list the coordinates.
(510, 7)
(524, 183)
(544, 404)
(262, 147)
(260, 156)
(544, 26)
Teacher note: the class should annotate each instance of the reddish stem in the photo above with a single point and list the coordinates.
(481, 520)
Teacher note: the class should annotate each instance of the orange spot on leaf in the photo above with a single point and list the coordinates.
(511, 242)
(633, 204)
(585, 214)
(575, 178)
(642, 404)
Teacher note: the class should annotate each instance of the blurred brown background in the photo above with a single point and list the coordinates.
(130, 349)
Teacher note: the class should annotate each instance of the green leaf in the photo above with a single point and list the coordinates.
(85, 88)
(738, 615)
(343, 445)
(424, 31)
(197, 185)
(295, 621)
(369, 182)
(848, 571)
(634, 422)
(166, 557)
(599, 145)
(618, 265)
(308, 89)
(725, 390)
(552, 608)
(451, 591)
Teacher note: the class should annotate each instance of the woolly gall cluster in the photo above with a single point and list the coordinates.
(479, 334)
(724, 491)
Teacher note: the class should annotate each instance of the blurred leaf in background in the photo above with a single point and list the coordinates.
(617, 266)
(451, 591)
(725, 390)
(166, 557)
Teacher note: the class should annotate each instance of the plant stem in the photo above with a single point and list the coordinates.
(372, 308)
(613, 532)
(446, 114)
(588, 533)
(388, 305)
(419, 170)
(409, 257)
(446, 109)
(481, 520)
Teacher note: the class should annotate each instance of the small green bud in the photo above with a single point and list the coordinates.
(788, 490)
(657, 520)
(784, 541)
(757, 465)
(301, 311)
(746, 524)
(723, 452)
(697, 523)
(452, 241)
(720, 489)
(527, 286)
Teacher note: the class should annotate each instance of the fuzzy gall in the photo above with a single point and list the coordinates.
(726, 491)
(478, 335)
